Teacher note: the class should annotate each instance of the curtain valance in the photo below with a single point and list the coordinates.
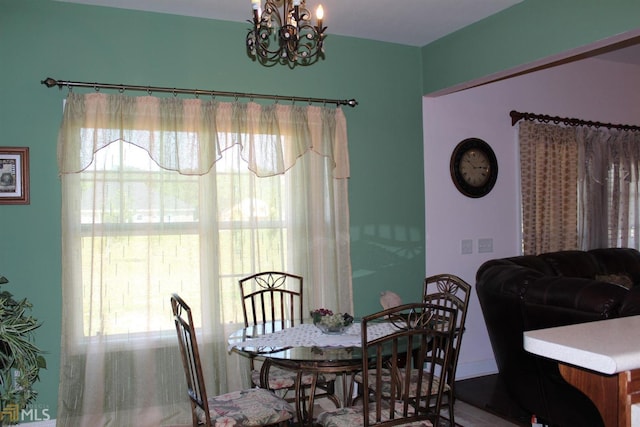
(157, 124)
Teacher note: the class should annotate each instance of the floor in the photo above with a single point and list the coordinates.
(487, 395)
(470, 416)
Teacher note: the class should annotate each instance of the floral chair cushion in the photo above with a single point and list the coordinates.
(386, 382)
(252, 407)
(352, 416)
(280, 378)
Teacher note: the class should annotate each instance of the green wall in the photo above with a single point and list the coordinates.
(528, 31)
(42, 38)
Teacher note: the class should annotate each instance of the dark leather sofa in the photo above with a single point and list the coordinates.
(529, 292)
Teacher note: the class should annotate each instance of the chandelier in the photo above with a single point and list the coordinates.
(288, 38)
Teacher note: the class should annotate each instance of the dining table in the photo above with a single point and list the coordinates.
(306, 349)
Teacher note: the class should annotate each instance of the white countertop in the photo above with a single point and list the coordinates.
(606, 346)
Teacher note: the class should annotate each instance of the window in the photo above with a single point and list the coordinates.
(147, 223)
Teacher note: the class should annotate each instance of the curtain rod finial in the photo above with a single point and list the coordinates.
(49, 82)
(516, 116)
(352, 103)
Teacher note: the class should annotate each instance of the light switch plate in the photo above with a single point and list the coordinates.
(485, 245)
(466, 246)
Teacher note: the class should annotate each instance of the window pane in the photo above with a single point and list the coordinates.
(126, 291)
(139, 241)
(141, 237)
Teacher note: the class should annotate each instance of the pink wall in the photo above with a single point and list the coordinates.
(591, 89)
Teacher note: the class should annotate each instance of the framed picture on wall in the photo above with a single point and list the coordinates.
(14, 176)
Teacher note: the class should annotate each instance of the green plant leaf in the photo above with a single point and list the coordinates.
(18, 351)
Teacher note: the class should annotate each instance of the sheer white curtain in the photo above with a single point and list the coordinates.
(609, 181)
(165, 195)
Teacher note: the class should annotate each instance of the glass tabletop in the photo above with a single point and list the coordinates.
(305, 342)
(293, 345)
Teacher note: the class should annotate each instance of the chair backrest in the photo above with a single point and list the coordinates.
(422, 337)
(272, 297)
(190, 359)
(447, 290)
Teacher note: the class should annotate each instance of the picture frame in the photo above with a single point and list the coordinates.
(14, 176)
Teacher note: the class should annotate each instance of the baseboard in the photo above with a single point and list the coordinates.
(47, 423)
(476, 369)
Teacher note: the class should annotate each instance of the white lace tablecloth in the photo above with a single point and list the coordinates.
(307, 335)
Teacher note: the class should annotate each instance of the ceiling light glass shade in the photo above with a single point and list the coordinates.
(287, 38)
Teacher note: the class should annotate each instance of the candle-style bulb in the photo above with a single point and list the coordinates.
(255, 4)
(320, 15)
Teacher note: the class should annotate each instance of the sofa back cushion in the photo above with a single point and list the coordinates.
(533, 262)
(620, 279)
(559, 301)
(572, 264)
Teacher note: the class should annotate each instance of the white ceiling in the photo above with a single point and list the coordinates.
(408, 22)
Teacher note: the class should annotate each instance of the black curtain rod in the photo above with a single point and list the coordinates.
(517, 116)
(49, 82)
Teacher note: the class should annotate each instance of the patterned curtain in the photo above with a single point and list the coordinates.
(549, 176)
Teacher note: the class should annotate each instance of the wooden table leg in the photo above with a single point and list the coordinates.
(613, 395)
(601, 389)
(629, 394)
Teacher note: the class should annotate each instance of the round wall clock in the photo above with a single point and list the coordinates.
(474, 167)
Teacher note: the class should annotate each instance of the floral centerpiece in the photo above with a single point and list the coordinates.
(329, 322)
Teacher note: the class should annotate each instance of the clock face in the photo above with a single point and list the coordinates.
(474, 167)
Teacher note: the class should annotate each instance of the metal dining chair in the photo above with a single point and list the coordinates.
(394, 392)
(251, 407)
(450, 291)
(275, 299)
